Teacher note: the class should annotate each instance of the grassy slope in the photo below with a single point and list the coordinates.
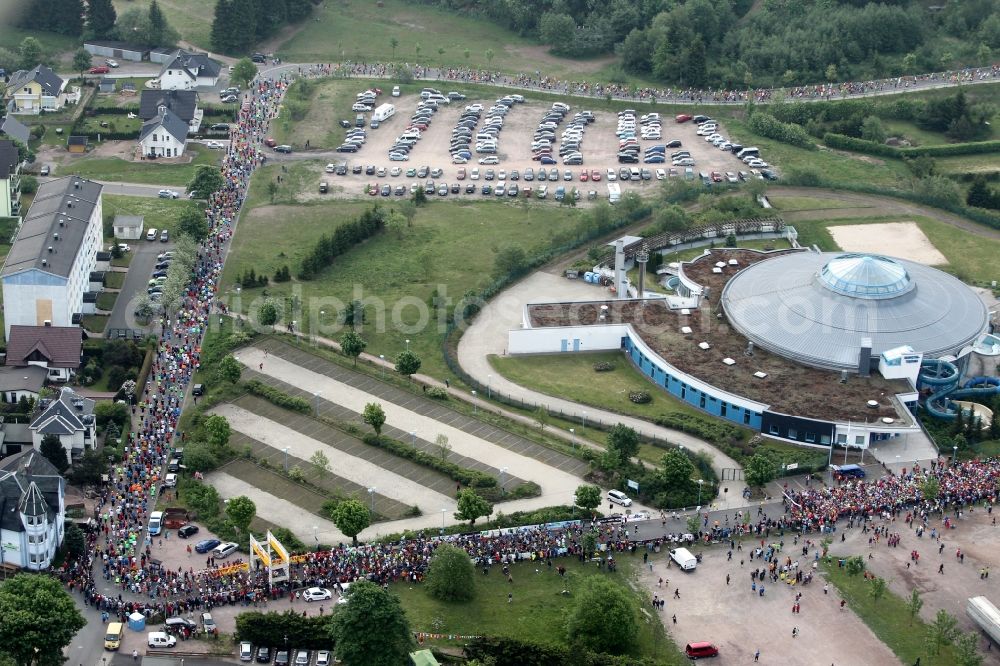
(451, 246)
(191, 18)
(151, 172)
(537, 612)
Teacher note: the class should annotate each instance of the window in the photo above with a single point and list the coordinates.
(746, 417)
(810, 437)
(773, 429)
(859, 440)
(841, 439)
(722, 411)
(701, 403)
(824, 439)
(154, 138)
(793, 433)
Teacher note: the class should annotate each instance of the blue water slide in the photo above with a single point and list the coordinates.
(942, 379)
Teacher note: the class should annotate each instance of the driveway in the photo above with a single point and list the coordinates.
(135, 282)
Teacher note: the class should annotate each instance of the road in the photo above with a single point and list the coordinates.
(143, 260)
(129, 189)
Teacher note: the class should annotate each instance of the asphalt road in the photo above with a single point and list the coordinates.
(143, 260)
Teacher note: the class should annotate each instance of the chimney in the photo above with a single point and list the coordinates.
(50, 249)
(865, 357)
(161, 109)
(55, 236)
(620, 274)
(641, 257)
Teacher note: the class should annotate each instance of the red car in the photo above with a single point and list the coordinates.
(595, 175)
(682, 117)
(270, 143)
(584, 176)
(716, 177)
(99, 70)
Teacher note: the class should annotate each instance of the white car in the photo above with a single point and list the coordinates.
(361, 107)
(224, 550)
(612, 175)
(474, 174)
(168, 194)
(323, 658)
(661, 174)
(395, 91)
(489, 159)
(395, 171)
(124, 247)
(215, 145)
(317, 594)
(113, 64)
(170, 481)
(344, 587)
(330, 168)
(618, 497)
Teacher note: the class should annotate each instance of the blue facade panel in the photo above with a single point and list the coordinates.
(706, 402)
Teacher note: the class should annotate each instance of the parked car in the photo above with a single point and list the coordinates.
(206, 545)
(168, 194)
(224, 550)
(263, 655)
(99, 70)
(317, 594)
(44, 170)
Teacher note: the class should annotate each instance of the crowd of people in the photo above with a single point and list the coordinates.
(550, 84)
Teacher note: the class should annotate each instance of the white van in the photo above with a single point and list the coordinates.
(160, 639)
(618, 497)
(747, 152)
(151, 234)
(684, 559)
(155, 522)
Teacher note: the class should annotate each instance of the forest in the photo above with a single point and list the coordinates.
(735, 43)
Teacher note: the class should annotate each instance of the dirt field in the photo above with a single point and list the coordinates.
(600, 146)
(739, 621)
(897, 239)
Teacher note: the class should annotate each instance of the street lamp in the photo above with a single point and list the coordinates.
(954, 456)
(315, 535)
(381, 357)
(701, 482)
(489, 386)
(475, 409)
(316, 395)
(413, 437)
(503, 470)
(583, 419)
(572, 437)
(443, 511)
(286, 458)
(371, 493)
(407, 344)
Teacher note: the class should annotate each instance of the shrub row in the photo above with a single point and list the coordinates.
(469, 477)
(716, 432)
(768, 126)
(844, 142)
(277, 397)
(106, 135)
(343, 239)
(552, 514)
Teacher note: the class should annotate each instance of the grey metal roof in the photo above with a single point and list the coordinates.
(787, 306)
(128, 220)
(194, 64)
(15, 129)
(51, 84)
(62, 206)
(8, 158)
(17, 473)
(181, 102)
(69, 413)
(30, 378)
(169, 121)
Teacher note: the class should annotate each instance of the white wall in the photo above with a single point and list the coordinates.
(19, 304)
(176, 79)
(550, 339)
(163, 142)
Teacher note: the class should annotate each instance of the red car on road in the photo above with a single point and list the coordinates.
(99, 70)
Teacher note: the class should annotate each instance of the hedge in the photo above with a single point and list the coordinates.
(844, 142)
(277, 397)
(770, 127)
(469, 477)
(715, 432)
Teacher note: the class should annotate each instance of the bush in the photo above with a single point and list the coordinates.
(768, 126)
(716, 432)
(640, 397)
(604, 366)
(468, 477)
(343, 239)
(437, 393)
(277, 397)
(29, 184)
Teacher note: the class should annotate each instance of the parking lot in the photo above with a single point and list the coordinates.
(599, 148)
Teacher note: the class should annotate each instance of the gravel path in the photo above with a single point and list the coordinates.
(342, 464)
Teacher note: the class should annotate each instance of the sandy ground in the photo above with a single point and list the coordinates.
(739, 621)
(350, 467)
(896, 239)
(599, 147)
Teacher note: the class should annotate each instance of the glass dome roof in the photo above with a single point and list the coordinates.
(869, 276)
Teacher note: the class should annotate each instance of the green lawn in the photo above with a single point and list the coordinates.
(95, 323)
(572, 376)
(53, 45)
(115, 122)
(887, 618)
(789, 204)
(114, 279)
(151, 172)
(836, 166)
(968, 163)
(450, 247)
(156, 213)
(918, 137)
(330, 101)
(538, 610)
(106, 300)
(191, 18)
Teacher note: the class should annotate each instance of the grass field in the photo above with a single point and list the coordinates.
(191, 18)
(114, 280)
(887, 618)
(449, 249)
(789, 204)
(157, 213)
(538, 609)
(116, 123)
(330, 101)
(53, 45)
(967, 163)
(150, 171)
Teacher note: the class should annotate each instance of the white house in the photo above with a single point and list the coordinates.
(163, 135)
(183, 103)
(185, 71)
(70, 417)
(32, 511)
(128, 227)
(48, 268)
(10, 180)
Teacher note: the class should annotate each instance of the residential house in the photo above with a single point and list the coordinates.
(48, 268)
(32, 91)
(58, 349)
(184, 71)
(32, 511)
(128, 227)
(163, 135)
(10, 180)
(183, 103)
(17, 383)
(12, 128)
(70, 417)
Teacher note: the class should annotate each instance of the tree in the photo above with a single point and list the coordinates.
(101, 17)
(192, 223)
(29, 53)
(489, 55)
(393, 42)
(693, 524)
(557, 30)
(588, 543)
(913, 605)
(53, 450)
(267, 313)
(980, 195)
(74, 540)
(623, 442)
(407, 363)
(603, 618)
(206, 182)
(760, 470)
(873, 130)
(451, 576)
(443, 447)
(352, 345)
(588, 497)
(89, 468)
(371, 628)
(241, 511)
(82, 60)
(877, 589)
(272, 190)
(966, 653)
(199, 457)
(510, 261)
(244, 71)
(943, 631)
(930, 488)
(670, 218)
(39, 619)
(218, 430)
(374, 416)
(320, 463)
(157, 24)
(133, 26)
(471, 506)
(230, 369)
(676, 469)
(854, 565)
(351, 517)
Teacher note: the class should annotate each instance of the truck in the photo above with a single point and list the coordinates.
(383, 112)
(985, 614)
(684, 559)
(614, 192)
